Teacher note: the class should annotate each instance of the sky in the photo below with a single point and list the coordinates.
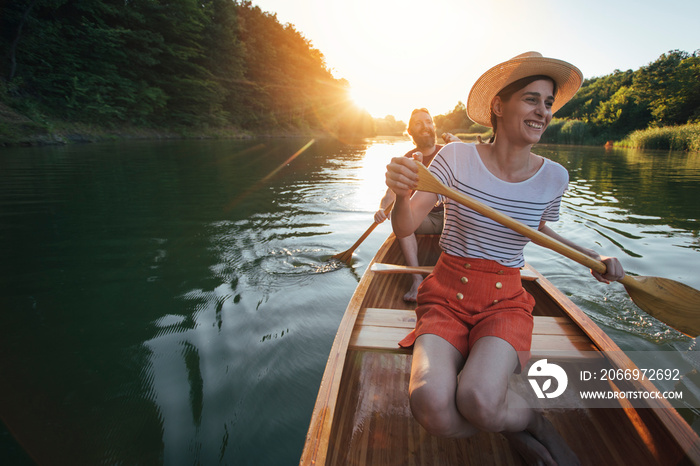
(400, 55)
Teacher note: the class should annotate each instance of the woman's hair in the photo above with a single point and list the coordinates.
(507, 92)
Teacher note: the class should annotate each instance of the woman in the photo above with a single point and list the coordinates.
(474, 324)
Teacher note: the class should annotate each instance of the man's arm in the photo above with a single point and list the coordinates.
(409, 210)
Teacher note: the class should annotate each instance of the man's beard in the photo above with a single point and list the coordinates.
(424, 140)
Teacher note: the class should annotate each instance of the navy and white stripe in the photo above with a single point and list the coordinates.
(470, 234)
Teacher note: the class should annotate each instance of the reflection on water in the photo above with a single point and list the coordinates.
(175, 302)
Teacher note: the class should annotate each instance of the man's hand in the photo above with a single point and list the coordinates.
(449, 137)
(380, 216)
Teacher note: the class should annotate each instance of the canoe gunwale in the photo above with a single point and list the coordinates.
(316, 446)
(687, 439)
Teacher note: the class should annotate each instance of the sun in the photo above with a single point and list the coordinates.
(379, 100)
(367, 100)
(357, 97)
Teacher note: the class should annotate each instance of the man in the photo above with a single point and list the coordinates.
(422, 130)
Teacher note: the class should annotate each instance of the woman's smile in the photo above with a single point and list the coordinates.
(534, 124)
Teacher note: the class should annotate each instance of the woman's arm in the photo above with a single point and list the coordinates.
(614, 270)
(409, 211)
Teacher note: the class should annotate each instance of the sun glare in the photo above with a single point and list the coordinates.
(372, 173)
(381, 56)
(375, 101)
(397, 56)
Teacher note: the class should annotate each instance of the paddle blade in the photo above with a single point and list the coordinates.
(670, 301)
(346, 256)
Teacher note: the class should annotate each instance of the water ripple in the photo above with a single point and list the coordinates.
(300, 261)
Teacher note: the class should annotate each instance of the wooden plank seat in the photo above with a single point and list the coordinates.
(554, 337)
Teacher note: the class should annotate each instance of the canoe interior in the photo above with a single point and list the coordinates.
(372, 422)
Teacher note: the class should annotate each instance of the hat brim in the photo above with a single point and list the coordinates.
(567, 77)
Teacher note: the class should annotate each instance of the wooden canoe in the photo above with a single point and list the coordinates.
(362, 415)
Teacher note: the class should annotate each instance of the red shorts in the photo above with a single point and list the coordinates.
(465, 299)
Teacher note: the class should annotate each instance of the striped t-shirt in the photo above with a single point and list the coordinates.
(470, 234)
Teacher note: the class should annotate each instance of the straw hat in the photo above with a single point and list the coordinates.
(566, 75)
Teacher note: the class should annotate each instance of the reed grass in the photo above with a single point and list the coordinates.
(681, 138)
(562, 131)
(472, 137)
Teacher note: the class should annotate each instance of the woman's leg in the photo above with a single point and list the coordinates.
(433, 386)
(483, 396)
(451, 403)
(484, 399)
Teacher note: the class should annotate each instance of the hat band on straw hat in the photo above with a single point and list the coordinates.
(567, 77)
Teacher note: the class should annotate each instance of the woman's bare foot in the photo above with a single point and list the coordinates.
(412, 295)
(546, 434)
(529, 448)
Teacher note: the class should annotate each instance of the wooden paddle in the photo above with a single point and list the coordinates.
(670, 301)
(379, 267)
(346, 256)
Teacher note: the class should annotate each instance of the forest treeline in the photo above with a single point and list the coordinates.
(203, 64)
(165, 64)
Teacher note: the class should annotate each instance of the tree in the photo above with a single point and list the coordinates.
(389, 126)
(12, 52)
(456, 121)
(584, 105)
(169, 63)
(77, 59)
(670, 87)
(286, 82)
(621, 113)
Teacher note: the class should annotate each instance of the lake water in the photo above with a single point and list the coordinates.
(173, 303)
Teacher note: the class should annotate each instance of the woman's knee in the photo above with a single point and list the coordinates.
(434, 411)
(482, 408)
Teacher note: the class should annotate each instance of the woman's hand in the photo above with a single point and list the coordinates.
(614, 270)
(402, 175)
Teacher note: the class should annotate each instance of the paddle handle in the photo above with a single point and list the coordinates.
(379, 267)
(536, 236)
(370, 229)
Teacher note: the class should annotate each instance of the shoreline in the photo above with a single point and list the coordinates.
(17, 130)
